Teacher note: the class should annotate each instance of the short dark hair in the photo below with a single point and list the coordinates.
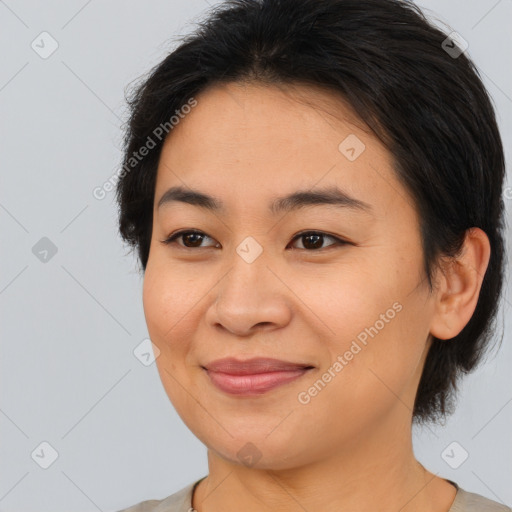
(426, 104)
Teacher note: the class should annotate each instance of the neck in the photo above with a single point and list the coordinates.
(375, 471)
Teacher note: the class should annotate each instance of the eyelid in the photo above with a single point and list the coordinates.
(173, 236)
(339, 241)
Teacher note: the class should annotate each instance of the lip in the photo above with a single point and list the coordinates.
(253, 366)
(253, 376)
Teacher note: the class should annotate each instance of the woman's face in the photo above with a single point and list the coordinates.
(359, 312)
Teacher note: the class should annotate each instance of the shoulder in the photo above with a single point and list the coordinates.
(466, 501)
(180, 501)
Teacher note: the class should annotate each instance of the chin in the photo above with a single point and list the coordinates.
(265, 454)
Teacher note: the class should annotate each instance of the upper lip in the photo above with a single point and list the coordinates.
(235, 366)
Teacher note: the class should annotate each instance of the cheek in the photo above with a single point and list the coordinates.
(350, 301)
(379, 334)
(384, 374)
(170, 300)
(156, 303)
(169, 312)
(162, 311)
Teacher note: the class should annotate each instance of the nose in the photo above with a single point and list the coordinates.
(249, 298)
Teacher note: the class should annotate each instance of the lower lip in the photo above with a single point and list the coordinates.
(255, 384)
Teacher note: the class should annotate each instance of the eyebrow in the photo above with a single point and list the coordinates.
(299, 199)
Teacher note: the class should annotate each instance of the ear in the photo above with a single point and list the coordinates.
(459, 286)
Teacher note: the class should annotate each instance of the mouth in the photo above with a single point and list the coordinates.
(254, 376)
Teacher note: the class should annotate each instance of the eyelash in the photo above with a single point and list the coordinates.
(171, 239)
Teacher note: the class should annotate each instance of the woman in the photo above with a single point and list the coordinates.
(314, 191)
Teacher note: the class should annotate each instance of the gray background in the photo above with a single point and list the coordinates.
(70, 324)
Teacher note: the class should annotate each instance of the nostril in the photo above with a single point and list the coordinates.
(263, 324)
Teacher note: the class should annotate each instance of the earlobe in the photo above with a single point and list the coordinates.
(459, 286)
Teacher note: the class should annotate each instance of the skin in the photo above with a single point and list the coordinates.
(350, 447)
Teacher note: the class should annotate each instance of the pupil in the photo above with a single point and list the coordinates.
(317, 240)
(199, 239)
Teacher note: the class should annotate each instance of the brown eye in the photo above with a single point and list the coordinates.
(191, 239)
(313, 240)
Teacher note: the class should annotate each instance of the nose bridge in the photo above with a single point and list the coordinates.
(249, 294)
(248, 269)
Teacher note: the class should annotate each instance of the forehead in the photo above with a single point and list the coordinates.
(244, 141)
(238, 116)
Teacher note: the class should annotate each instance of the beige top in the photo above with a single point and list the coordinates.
(181, 501)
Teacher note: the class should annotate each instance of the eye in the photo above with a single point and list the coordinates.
(193, 239)
(314, 239)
